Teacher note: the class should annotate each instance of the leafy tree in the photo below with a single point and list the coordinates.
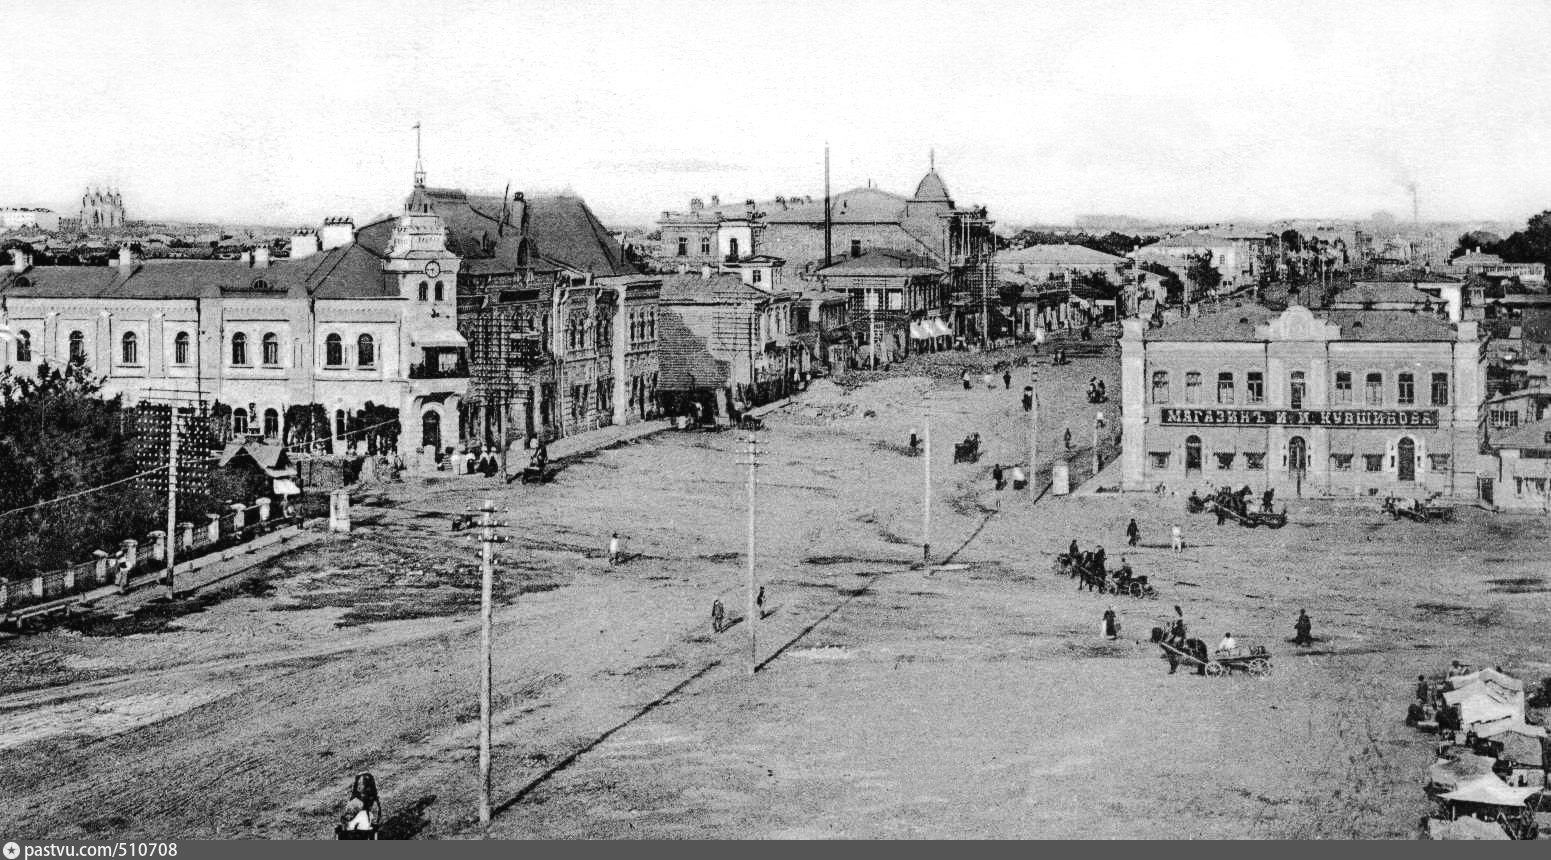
(1474, 239)
(1530, 245)
(1202, 273)
(1292, 241)
(1173, 288)
(59, 436)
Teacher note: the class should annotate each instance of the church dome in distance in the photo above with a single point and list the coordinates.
(932, 188)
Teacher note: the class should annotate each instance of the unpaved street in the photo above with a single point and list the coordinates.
(893, 701)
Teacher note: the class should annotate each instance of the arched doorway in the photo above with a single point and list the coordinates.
(1297, 460)
(431, 430)
(1406, 459)
(1192, 455)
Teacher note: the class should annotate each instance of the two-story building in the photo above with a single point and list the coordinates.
(346, 328)
(1340, 403)
(898, 303)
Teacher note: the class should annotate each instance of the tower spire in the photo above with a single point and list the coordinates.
(419, 167)
(931, 159)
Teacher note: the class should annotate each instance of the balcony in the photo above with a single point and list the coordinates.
(441, 363)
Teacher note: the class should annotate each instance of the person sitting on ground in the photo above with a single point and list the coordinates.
(915, 442)
(1228, 644)
(1019, 480)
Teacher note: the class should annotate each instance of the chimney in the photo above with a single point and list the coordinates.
(261, 257)
(716, 200)
(336, 232)
(304, 243)
(696, 204)
(247, 258)
(125, 257)
(1453, 296)
(20, 262)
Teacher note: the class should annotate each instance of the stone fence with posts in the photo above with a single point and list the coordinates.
(240, 524)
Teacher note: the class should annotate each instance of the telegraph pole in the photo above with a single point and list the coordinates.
(502, 407)
(1096, 463)
(753, 600)
(1033, 431)
(487, 540)
(926, 483)
(172, 498)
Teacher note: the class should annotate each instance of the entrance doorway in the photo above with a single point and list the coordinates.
(1297, 460)
(1406, 456)
(1192, 455)
(431, 431)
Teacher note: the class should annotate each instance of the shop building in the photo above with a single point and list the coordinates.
(1343, 403)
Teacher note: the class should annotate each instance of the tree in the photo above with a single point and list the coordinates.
(1475, 240)
(59, 437)
(1292, 241)
(1530, 245)
(1173, 288)
(1202, 273)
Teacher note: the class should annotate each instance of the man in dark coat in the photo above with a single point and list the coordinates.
(997, 475)
(1028, 398)
(1007, 380)
(1111, 628)
(1072, 552)
(1133, 533)
(1303, 627)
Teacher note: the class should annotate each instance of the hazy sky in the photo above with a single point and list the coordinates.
(283, 112)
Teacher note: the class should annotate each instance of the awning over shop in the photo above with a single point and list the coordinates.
(286, 487)
(920, 331)
(441, 338)
(939, 328)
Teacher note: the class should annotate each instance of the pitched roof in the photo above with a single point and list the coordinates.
(1368, 292)
(564, 230)
(350, 271)
(857, 206)
(1239, 324)
(1412, 276)
(1192, 239)
(931, 187)
(1476, 258)
(884, 261)
(1055, 255)
(721, 288)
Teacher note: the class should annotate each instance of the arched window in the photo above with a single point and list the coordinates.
(24, 345)
(651, 325)
(239, 420)
(333, 351)
(180, 348)
(1160, 386)
(365, 350)
(77, 346)
(130, 350)
(439, 294)
(425, 290)
(271, 423)
(239, 348)
(339, 423)
(271, 349)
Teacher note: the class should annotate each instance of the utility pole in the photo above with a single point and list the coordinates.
(926, 481)
(172, 498)
(501, 404)
(872, 328)
(753, 600)
(487, 540)
(1033, 431)
(1096, 462)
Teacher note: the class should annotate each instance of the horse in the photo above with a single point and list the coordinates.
(1192, 646)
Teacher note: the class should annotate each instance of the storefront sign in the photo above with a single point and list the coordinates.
(1300, 417)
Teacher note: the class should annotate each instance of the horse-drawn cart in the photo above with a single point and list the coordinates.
(966, 452)
(1253, 519)
(1253, 660)
(1417, 511)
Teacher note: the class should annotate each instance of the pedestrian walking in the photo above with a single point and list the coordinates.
(718, 616)
(759, 601)
(964, 378)
(1007, 380)
(1133, 534)
(1066, 438)
(1178, 539)
(614, 555)
(1028, 398)
(1111, 626)
(1101, 391)
(996, 475)
(915, 441)
(1303, 627)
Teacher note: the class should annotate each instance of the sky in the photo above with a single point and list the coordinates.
(283, 112)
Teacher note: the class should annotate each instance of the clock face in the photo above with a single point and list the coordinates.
(432, 269)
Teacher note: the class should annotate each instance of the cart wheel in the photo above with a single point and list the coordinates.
(1259, 668)
(1214, 669)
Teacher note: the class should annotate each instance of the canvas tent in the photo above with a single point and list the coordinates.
(1449, 774)
(1483, 702)
(1490, 791)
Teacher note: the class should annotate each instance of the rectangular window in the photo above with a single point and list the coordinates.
(1405, 389)
(1373, 389)
(1296, 388)
(1225, 388)
(1341, 462)
(896, 300)
(1193, 387)
(1160, 386)
(705, 245)
(1160, 459)
(1224, 460)
(1254, 387)
(683, 246)
(1440, 389)
(1438, 462)
(1255, 462)
(1373, 462)
(1343, 386)
(759, 276)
